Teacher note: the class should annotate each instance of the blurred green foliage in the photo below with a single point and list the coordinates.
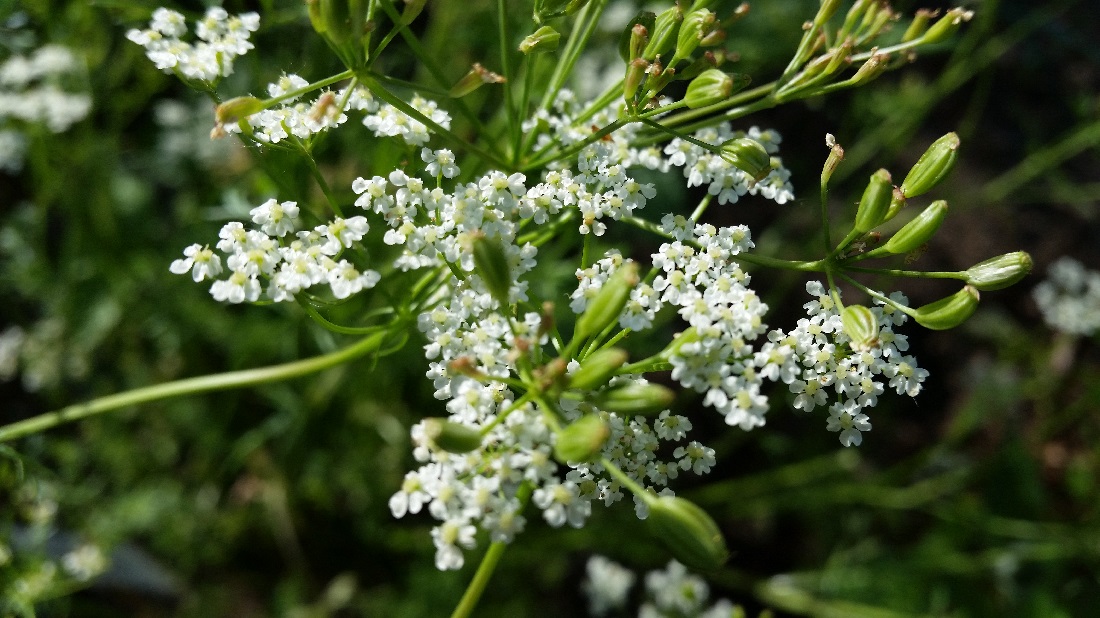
(979, 500)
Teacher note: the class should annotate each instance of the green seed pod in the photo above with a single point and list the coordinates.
(897, 202)
(634, 398)
(663, 32)
(541, 41)
(861, 325)
(710, 87)
(236, 109)
(875, 202)
(691, 335)
(695, 27)
(948, 312)
(915, 233)
(635, 75)
(918, 26)
(947, 25)
(999, 272)
(868, 71)
(582, 440)
(932, 167)
(492, 265)
(826, 11)
(451, 437)
(598, 368)
(604, 309)
(687, 532)
(475, 78)
(411, 11)
(749, 156)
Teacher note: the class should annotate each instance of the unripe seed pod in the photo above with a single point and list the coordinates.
(635, 398)
(582, 440)
(915, 233)
(687, 532)
(639, 38)
(691, 335)
(635, 75)
(999, 272)
(897, 202)
(695, 27)
(237, 108)
(828, 8)
(597, 369)
(749, 156)
(451, 437)
(861, 325)
(932, 167)
(946, 26)
(869, 70)
(918, 26)
(605, 308)
(543, 40)
(875, 202)
(948, 312)
(710, 87)
(664, 32)
(492, 264)
(475, 78)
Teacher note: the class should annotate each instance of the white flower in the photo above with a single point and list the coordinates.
(200, 261)
(606, 584)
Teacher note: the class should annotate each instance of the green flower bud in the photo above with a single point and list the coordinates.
(947, 25)
(451, 437)
(688, 532)
(712, 86)
(582, 440)
(861, 325)
(696, 25)
(999, 272)
(915, 233)
(749, 156)
(918, 26)
(932, 167)
(664, 32)
(948, 312)
(492, 264)
(598, 368)
(604, 309)
(635, 398)
(237, 109)
(875, 202)
(541, 41)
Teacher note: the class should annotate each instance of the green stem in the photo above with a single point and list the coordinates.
(190, 386)
(625, 480)
(932, 274)
(579, 146)
(336, 328)
(510, 110)
(488, 564)
(583, 29)
(328, 81)
(321, 182)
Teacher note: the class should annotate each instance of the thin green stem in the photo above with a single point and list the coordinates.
(321, 182)
(579, 146)
(625, 480)
(337, 328)
(583, 29)
(191, 386)
(932, 274)
(701, 208)
(328, 81)
(510, 110)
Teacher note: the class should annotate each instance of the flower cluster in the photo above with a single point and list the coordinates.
(289, 261)
(299, 118)
(1070, 297)
(669, 592)
(31, 91)
(222, 38)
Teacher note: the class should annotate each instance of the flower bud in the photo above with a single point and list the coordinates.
(875, 202)
(604, 309)
(451, 437)
(492, 264)
(999, 272)
(861, 325)
(235, 109)
(947, 25)
(598, 368)
(710, 87)
(918, 26)
(664, 32)
(687, 532)
(915, 233)
(541, 41)
(948, 312)
(696, 25)
(477, 77)
(635, 398)
(836, 155)
(582, 440)
(749, 156)
(932, 167)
